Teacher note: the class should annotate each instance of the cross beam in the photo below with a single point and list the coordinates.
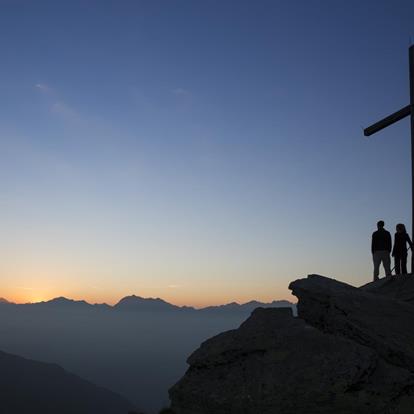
(395, 117)
(389, 120)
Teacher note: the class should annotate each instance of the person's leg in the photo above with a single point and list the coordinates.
(404, 264)
(386, 260)
(397, 262)
(377, 261)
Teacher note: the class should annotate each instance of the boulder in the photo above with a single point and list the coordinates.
(379, 322)
(350, 350)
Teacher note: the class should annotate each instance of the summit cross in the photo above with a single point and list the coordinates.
(395, 117)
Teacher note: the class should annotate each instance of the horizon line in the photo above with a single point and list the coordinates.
(145, 298)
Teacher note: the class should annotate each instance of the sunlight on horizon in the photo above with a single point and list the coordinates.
(194, 160)
(21, 295)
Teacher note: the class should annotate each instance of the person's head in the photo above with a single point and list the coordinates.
(401, 228)
(380, 225)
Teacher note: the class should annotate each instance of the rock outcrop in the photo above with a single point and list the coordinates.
(350, 350)
(377, 321)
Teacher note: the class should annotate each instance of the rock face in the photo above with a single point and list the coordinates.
(383, 324)
(349, 351)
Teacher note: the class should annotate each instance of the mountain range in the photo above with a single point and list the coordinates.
(137, 347)
(138, 303)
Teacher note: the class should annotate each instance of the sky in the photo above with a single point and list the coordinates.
(199, 151)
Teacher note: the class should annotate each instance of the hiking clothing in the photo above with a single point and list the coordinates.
(400, 263)
(400, 244)
(381, 256)
(381, 241)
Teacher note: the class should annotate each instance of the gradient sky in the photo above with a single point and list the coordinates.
(200, 151)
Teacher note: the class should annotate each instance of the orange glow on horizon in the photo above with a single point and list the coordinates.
(31, 286)
(214, 300)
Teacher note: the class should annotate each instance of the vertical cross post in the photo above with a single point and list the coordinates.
(411, 58)
(392, 119)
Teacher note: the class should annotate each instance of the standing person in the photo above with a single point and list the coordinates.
(381, 249)
(399, 252)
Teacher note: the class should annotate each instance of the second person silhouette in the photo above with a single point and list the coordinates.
(400, 252)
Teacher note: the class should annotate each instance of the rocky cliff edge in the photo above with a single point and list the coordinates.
(350, 350)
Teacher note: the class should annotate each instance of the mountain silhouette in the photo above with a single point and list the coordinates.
(248, 306)
(62, 302)
(28, 386)
(148, 304)
(138, 303)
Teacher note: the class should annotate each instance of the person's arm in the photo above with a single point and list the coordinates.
(389, 242)
(393, 249)
(372, 243)
(409, 241)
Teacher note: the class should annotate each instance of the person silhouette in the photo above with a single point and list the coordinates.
(399, 252)
(381, 249)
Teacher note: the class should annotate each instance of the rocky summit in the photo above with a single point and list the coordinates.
(350, 350)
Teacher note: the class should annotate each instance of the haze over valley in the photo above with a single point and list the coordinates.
(136, 348)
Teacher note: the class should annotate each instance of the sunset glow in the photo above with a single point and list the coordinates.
(167, 153)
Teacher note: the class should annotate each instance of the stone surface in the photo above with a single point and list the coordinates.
(399, 287)
(350, 351)
(377, 321)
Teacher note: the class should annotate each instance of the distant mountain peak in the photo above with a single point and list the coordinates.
(61, 301)
(2, 300)
(134, 302)
(249, 306)
(140, 298)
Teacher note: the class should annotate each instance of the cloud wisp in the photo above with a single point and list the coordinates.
(44, 88)
(56, 105)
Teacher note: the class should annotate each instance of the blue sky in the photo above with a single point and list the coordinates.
(203, 152)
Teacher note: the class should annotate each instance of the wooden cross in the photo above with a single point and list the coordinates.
(396, 116)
